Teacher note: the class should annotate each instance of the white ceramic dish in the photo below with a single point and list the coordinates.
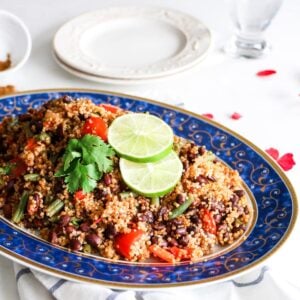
(132, 43)
(14, 39)
(105, 80)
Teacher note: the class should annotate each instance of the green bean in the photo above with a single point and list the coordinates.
(31, 177)
(155, 201)
(55, 207)
(181, 209)
(19, 213)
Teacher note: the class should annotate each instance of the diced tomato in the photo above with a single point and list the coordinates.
(31, 144)
(124, 241)
(181, 254)
(79, 195)
(95, 126)
(18, 167)
(208, 222)
(162, 253)
(109, 107)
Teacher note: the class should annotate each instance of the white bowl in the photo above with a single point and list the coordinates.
(14, 39)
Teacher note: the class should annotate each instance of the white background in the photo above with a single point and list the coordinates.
(219, 85)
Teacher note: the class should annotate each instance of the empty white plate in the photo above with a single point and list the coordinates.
(131, 43)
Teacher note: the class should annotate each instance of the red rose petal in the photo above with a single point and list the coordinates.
(209, 116)
(235, 116)
(274, 153)
(264, 73)
(286, 161)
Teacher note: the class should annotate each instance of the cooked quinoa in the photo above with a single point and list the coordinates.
(218, 215)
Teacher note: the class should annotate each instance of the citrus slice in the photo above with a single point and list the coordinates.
(152, 179)
(140, 137)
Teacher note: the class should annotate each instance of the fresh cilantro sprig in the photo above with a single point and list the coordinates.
(84, 162)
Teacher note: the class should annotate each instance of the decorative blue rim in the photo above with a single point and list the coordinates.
(275, 198)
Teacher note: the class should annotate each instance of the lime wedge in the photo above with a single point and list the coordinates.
(152, 179)
(140, 137)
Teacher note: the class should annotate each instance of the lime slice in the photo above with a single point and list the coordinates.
(140, 137)
(152, 179)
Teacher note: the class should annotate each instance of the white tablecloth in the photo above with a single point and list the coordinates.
(220, 85)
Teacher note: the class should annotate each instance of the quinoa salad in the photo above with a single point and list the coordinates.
(48, 189)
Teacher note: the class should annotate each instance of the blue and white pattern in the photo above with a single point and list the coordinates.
(275, 200)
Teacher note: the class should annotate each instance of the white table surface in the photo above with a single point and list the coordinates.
(219, 85)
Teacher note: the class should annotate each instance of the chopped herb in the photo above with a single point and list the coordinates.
(84, 162)
(5, 170)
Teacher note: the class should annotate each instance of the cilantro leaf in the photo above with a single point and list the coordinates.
(84, 162)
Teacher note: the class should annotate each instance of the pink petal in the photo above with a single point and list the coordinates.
(286, 161)
(264, 73)
(235, 116)
(208, 115)
(274, 153)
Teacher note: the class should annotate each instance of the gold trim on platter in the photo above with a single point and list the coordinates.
(119, 285)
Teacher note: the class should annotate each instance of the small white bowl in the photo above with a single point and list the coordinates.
(14, 39)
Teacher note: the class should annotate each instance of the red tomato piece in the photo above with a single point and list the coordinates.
(162, 253)
(208, 222)
(31, 144)
(79, 195)
(95, 126)
(124, 241)
(181, 254)
(18, 167)
(109, 107)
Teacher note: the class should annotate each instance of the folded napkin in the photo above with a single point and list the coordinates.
(260, 284)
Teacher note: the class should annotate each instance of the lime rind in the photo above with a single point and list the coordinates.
(141, 137)
(152, 179)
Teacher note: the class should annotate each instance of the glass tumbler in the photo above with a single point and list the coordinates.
(251, 18)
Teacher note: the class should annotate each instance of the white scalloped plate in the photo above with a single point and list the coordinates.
(132, 42)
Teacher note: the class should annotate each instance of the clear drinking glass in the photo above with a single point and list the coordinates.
(251, 18)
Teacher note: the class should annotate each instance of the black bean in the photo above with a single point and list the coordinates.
(202, 180)
(180, 198)
(246, 210)
(218, 218)
(37, 223)
(110, 231)
(154, 239)
(240, 193)
(93, 239)
(10, 187)
(24, 117)
(201, 150)
(69, 229)
(107, 179)
(36, 126)
(7, 210)
(177, 222)
(185, 165)
(195, 219)
(181, 231)
(172, 242)
(158, 226)
(64, 220)
(67, 99)
(191, 228)
(234, 199)
(149, 216)
(191, 156)
(163, 213)
(183, 240)
(75, 244)
(53, 237)
(84, 227)
(163, 243)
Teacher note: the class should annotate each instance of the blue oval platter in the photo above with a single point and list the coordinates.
(275, 206)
